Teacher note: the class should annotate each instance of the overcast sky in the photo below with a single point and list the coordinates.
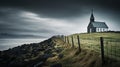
(45, 18)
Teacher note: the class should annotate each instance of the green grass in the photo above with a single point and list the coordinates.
(91, 41)
(86, 58)
(90, 54)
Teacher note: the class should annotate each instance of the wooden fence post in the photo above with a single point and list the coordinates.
(62, 37)
(79, 48)
(72, 42)
(68, 39)
(102, 50)
(65, 38)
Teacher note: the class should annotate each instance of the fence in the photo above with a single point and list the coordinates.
(86, 43)
(109, 47)
(112, 48)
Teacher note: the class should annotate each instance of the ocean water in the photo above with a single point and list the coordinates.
(10, 43)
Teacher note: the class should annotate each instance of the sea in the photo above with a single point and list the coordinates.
(10, 43)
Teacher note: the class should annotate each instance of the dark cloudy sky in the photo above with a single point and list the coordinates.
(44, 18)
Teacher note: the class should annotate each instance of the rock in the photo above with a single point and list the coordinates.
(56, 65)
(38, 64)
(60, 56)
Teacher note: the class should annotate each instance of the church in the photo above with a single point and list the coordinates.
(95, 26)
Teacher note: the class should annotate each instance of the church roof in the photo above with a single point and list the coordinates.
(99, 24)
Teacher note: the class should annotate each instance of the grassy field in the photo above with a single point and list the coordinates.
(86, 58)
(92, 41)
(90, 55)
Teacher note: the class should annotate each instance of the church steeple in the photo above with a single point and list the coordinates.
(92, 16)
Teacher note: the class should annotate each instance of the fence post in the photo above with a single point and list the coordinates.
(65, 38)
(72, 42)
(79, 48)
(68, 40)
(102, 50)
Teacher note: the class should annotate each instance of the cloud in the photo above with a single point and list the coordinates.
(25, 23)
(56, 25)
(61, 8)
(51, 17)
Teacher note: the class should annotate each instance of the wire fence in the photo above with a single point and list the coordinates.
(109, 48)
(112, 48)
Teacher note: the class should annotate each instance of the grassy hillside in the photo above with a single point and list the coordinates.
(56, 52)
(92, 41)
(86, 58)
(94, 38)
(96, 35)
(90, 55)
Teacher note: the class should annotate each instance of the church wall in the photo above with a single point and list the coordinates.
(101, 29)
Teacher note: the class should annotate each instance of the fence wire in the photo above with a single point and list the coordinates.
(112, 48)
(111, 45)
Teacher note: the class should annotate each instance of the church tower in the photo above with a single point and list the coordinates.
(92, 17)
